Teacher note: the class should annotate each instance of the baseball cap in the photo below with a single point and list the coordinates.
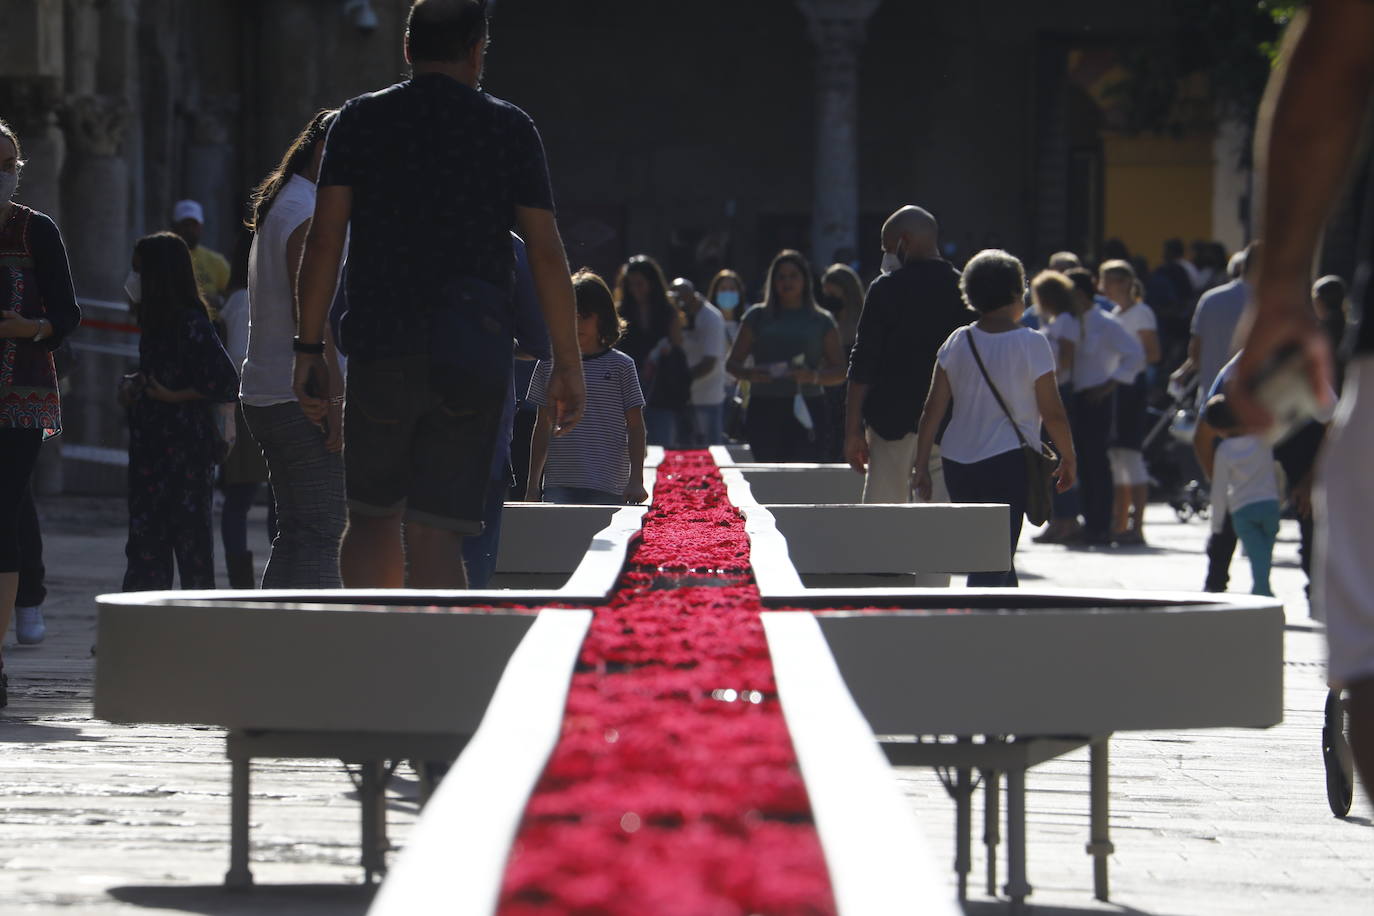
(188, 209)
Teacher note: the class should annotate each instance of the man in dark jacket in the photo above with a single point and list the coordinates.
(908, 313)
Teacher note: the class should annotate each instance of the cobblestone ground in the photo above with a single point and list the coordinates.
(110, 819)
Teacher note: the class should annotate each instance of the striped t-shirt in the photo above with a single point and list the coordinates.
(596, 452)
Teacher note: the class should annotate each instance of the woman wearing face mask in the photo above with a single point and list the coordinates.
(173, 445)
(726, 292)
(796, 351)
(37, 310)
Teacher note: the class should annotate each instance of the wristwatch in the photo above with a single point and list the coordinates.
(44, 329)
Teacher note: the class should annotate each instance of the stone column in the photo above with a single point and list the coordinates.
(837, 29)
(210, 170)
(95, 195)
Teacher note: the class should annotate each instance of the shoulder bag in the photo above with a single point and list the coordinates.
(1040, 462)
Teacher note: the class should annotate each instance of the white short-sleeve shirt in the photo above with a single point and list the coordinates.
(267, 370)
(706, 337)
(1139, 317)
(979, 428)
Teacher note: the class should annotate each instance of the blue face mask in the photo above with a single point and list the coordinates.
(727, 298)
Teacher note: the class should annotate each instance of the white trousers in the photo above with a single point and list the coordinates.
(1343, 593)
(890, 466)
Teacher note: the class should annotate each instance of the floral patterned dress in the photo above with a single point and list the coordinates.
(172, 453)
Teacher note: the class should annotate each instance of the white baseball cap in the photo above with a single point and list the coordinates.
(188, 209)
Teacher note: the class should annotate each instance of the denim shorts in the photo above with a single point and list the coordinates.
(409, 449)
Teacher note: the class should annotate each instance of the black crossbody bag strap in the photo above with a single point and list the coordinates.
(995, 393)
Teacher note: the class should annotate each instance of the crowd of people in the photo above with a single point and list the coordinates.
(395, 362)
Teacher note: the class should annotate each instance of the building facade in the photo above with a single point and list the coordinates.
(709, 134)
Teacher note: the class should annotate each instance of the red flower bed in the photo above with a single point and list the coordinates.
(674, 789)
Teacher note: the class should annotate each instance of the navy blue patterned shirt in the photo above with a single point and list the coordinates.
(437, 169)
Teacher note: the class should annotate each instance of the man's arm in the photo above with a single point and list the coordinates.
(1309, 128)
(324, 245)
(862, 363)
(553, 285)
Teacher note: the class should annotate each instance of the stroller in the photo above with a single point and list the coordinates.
(1175, 477)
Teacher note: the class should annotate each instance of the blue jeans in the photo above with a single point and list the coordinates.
(480, 550)
(1257, 527)
(661, 426)
(710, 424)
(999, 479)
(582, 496)
(308, 488)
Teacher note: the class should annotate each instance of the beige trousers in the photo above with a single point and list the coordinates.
(890, 465)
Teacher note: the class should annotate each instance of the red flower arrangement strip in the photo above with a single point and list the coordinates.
(674, 788)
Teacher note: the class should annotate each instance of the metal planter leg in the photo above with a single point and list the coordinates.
(963, 819)
(1100, 846)
(238, 875)
(372, 794)
(992, 834)
(1018, 889)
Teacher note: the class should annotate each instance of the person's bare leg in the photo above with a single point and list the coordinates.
(1140, 495)
(9, 587)
(371, 554)
(1121, 509)
(1362, 730)
(436, 557)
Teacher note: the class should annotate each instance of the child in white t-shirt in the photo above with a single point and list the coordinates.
(1245, 483)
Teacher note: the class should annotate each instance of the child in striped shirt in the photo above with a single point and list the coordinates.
(601, 460)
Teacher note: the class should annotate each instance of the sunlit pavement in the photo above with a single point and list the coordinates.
(105, 819)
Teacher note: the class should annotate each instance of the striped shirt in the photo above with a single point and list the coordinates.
(596, 452)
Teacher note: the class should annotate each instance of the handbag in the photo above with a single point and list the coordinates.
(1040, 462)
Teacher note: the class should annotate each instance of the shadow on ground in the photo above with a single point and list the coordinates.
(1002, 907)
(31, 733)
(295, 899)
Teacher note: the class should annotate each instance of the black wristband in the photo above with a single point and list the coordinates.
(300, 346)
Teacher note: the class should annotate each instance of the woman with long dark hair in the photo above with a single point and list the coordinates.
(37, 310)
(173, 402)
(795, 345)
(653, 339)
(304, 462)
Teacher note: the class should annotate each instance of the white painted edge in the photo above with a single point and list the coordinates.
(879, 862)
(768, 554)
(737, 488)
(456, 854)
(1168, 600)
(604, 560)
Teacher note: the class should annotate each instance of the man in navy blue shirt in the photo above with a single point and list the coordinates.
(429, 176)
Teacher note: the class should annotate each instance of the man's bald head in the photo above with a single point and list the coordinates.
(914, 230)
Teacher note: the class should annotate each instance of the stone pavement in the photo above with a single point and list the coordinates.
(108, 819)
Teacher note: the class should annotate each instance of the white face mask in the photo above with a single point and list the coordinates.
(893, 260)
(9, 183)
(133, 286)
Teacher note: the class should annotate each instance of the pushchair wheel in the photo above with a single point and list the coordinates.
(1336, 754)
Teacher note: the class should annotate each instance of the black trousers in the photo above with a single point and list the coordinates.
(1092, 426)
(1221, 546)
(775, 435)
(999, 479)
(170, 500)
(32, 590)
(18, 454)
